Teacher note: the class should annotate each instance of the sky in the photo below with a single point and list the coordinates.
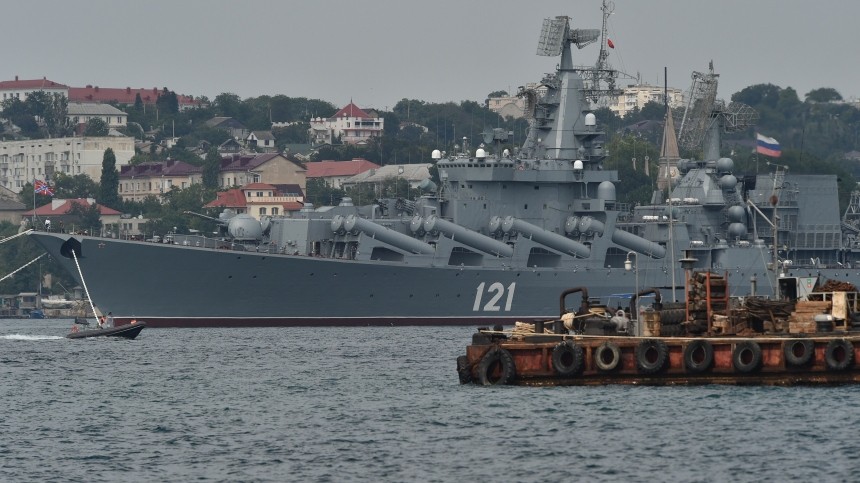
(378, 52)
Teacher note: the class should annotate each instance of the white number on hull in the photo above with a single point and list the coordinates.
(496, 291)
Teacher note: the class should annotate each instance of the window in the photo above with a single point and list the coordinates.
(259, 193)
(262, 210)
(274, 211)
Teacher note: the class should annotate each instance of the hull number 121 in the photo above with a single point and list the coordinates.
(493, 294)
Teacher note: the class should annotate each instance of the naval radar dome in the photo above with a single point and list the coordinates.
(436, 154)
(606, 191)
(590, 119)
(725, 165)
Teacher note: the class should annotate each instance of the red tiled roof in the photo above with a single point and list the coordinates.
(233, 198)
(125, 95)
(31, 84)
(258, 186)
(327, 169)
(59, 207)
(293, 206)
(350, 110)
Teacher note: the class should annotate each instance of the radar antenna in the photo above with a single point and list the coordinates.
(704, 116)
(600, 79)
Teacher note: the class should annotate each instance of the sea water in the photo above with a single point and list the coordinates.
(379, 404)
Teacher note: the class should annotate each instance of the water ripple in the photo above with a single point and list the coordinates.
(346, 404)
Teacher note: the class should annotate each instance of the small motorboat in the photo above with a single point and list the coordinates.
(127, 331)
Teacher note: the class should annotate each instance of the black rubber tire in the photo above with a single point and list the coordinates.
(798, 352)
(567, 358)
(746, 356)
(839, 354)
(672, 316)
(607, 357)
(496, 368)
(464, 370)
(698, 356)
(651, 356)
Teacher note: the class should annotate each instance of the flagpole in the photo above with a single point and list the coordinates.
(34, 203)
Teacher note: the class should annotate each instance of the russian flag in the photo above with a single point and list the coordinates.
(767, 146)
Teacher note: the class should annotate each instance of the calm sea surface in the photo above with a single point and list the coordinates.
(379, 404)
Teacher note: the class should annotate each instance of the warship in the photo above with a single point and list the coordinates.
(503, 232)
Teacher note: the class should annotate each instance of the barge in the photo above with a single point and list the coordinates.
(814, 338)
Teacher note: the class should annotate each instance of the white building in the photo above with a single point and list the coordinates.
(351, 124)
(20, 89)
(23, 161)
(636, 96)
(81, 113)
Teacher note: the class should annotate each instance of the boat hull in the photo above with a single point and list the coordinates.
(124, 331)
(206, 287)
(186, 286)
(831, 360)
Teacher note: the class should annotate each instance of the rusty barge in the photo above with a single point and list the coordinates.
(813, 338)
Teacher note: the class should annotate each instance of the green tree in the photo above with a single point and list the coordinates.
(211, 168)
(56, 116)
(138, 102)
(96, 127)
(76, 186)
(321, 194)
(109, 185)
(85, 217)
(823, 94)
(167, 102)
(16, 111)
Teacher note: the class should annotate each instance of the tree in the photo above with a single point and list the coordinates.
(76, 186)
(167, 102)
(109, 185)
(56, 116)
(88, 218)
(211, 168)
(138, 102)
(96, 127)
(823, 94)
(321, 194)
(16, 111)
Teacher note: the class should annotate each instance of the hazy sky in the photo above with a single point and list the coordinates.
(378, 52)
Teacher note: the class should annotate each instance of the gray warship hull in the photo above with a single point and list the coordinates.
(186, 286)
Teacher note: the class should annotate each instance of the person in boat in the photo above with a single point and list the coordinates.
(109, 321)
(621, 321)
(47, 224)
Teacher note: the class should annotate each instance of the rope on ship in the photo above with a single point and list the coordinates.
(84, 283)
(22, 266)
(8, 238)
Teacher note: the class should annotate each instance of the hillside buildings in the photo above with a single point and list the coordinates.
(351, 125)
(23, 161)
(632, 97)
